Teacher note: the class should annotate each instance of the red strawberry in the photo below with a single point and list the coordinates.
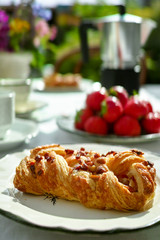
(127, 126)
(121, 93)
(136, 107)
(94, 99)
(111, 109)
(151, 123)
(81, 117)
(96, 125)
(149, 106)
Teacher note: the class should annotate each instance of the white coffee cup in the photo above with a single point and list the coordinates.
(7, 111)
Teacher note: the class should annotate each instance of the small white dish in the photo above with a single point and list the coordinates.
(70, 215)
(29, 107)
(66, 123)
(21, 131)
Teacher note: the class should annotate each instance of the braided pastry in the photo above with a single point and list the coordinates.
(116, 180)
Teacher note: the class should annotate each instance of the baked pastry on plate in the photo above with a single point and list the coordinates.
(59, 80)
(113, 180)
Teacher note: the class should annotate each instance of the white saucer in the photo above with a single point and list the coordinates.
(29, 107)
(21, 131)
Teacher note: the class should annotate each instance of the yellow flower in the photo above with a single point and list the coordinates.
(19, 26)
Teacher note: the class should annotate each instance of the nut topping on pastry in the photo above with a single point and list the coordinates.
(114, 180)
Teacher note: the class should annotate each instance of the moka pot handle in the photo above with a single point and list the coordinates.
(84, 26)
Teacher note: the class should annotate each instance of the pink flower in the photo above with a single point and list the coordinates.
(42, 28)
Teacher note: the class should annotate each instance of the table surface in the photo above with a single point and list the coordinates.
(67, 103)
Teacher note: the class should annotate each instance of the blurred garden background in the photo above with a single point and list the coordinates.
(49, 30)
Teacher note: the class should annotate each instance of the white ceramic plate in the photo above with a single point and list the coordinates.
(68, 215)
(85, 84)
(21, 131)
(66, 123)
(29, 107)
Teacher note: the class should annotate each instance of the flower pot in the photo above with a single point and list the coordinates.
(15, 65)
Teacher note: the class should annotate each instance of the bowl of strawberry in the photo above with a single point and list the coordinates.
(113, 113)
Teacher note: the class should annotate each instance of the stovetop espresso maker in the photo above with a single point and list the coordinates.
(119, 50)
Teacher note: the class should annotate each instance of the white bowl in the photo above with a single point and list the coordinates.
(15, 65)
(22, 89)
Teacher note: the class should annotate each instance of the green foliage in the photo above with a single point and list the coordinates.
(91, 70)
(98, 10)
(152, 51)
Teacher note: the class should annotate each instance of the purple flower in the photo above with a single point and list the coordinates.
(46, 14)
(38, 11)
(4, 29)
(3, 17)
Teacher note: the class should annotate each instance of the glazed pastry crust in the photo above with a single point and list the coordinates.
(116, 180)
(59, 80)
